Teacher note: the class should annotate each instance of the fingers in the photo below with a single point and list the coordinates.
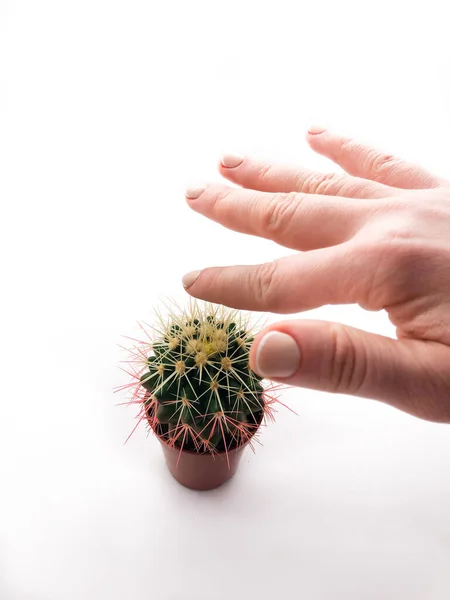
(288, 285)
(295, 220)
(274, 178)
(408, 374)
(363, 161)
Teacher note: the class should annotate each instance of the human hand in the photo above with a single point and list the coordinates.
(378, 236)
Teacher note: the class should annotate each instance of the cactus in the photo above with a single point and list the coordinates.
(195, 386)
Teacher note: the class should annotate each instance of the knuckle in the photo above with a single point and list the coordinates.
(400, 233)
(324, 183)
(348, 362)
(394, 236)
(349, 146)
(398, 276)
(394, 231)
(219, 197)
(352, 152)
(396, 256)
(264, 172)
(380, 164)
(280, 213)
(391, 267)
(264, 283)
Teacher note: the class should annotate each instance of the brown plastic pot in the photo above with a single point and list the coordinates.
(201, 471)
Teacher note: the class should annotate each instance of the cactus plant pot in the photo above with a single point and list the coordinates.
(201, 471)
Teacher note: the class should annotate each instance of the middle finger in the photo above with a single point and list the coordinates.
(294, 220)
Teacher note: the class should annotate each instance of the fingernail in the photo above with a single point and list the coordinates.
(190, 278)
(194, 191)
(232, 160)
(278, 355)
(316, 129)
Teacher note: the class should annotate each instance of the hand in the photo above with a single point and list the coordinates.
(377, 236)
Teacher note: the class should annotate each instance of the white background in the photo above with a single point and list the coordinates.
(108, 109)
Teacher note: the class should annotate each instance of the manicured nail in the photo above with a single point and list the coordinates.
(232, 160)
(278, 355)
(316, 129)
(193, 192)
(190, 278)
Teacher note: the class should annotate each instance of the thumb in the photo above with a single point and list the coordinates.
(408, 374)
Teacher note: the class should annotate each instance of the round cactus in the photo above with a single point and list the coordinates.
(196, 388)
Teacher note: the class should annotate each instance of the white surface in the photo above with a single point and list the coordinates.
(108, 109)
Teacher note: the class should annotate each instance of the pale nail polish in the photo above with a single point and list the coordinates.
(190, 278)
(194, 191)
(278, 355)
(231, 161)
(316, 129)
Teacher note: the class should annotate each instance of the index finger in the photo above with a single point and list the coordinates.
(290, 284)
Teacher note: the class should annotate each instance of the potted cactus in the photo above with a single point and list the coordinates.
(195, 390)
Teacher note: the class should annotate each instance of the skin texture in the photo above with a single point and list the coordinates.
(376, 234)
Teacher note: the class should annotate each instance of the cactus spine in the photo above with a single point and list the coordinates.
(196, 388)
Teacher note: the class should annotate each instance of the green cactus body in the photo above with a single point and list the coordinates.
(199, 391)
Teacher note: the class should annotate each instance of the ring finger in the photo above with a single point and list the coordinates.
(268, 177)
